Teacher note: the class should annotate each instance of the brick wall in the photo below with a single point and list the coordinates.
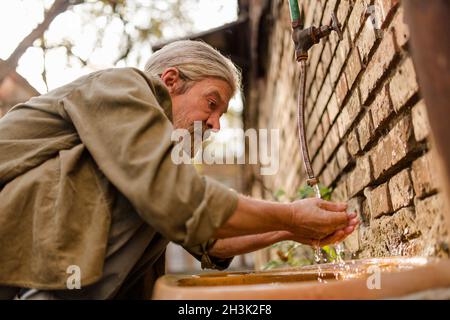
(367, 126)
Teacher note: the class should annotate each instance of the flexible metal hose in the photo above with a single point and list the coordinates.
(312, 180)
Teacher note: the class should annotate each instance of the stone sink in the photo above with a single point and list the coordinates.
(356, 279)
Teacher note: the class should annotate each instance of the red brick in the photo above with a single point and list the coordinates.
(356, 19)
(314, 145)
(319, 77)
(366, 212)
(312, 123)
(340, 192)
(326, 55)
(318, 13)
(341, 89)
(343, 157)
(424, 175)
(310, 9)
(343, 11)
(335, 70)
(420, 121)
(352, 242)
(353, 143)
(429, 215)
(400, 28)
(401, 190)
(393, 148)
(334, 167)
(331, 142)
(403, 85)
(387, 8)
(324, 95)
(314, 58)
(329, 8)
(325, 122)
(378, 65)
(366, 41)
(381, 108)
(379, 200)
(365, 130)
(318, 163)
(360, 177)
(343, 48)
(338, 62)
(313, 96)
(332, 107)
(348, 114)
(353, 68)
(356, 204)
(308, 111)
(334, 41)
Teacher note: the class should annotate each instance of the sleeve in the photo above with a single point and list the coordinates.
(200, 252)
(128, 134)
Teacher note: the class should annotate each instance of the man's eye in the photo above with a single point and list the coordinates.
(211, 104)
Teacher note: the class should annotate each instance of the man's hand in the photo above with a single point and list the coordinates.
(257, 224)
(310, 221)
(320, 222)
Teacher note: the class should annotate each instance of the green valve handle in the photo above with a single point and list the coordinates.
(295, 13)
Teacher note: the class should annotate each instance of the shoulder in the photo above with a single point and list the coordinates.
(118, 76)
(113, 82)
(120, 79)
(120, 86)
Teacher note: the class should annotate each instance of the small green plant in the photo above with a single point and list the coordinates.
(308, 192)
(278, 194)
(291, 253)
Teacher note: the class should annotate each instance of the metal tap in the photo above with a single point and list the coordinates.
(304, 39)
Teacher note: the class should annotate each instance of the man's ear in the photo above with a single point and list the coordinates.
(171, 78)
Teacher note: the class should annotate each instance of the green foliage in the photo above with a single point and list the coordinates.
(291, 253)
(308, 192)
(287, 252)
(330, 254)
(278, 194)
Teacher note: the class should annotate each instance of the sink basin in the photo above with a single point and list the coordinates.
(397, 276)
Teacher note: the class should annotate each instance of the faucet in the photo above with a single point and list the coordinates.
(304, 39)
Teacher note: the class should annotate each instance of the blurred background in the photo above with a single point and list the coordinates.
(48, 43)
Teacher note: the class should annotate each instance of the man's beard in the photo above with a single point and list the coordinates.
(197, 132)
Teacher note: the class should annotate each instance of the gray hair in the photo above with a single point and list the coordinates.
(195, 60)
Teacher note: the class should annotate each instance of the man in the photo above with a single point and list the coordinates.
(89, 189)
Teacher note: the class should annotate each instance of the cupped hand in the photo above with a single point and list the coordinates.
(319, 222)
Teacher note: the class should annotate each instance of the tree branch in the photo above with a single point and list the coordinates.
(59, 6)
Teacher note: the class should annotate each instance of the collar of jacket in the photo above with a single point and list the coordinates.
(162, 95)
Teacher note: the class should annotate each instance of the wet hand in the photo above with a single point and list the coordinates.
(319, 222)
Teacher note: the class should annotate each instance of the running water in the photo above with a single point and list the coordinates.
(338, 248)
(317, 191)
(318, 256)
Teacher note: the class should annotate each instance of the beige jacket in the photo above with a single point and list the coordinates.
(64, 157)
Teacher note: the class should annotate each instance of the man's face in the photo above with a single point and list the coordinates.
(204, 101)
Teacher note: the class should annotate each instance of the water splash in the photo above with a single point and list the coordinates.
(340, 264)
(318, 258)
(318, 255)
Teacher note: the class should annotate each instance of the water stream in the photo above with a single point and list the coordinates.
(318, 255)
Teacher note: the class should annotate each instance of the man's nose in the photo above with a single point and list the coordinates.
(213, 124)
